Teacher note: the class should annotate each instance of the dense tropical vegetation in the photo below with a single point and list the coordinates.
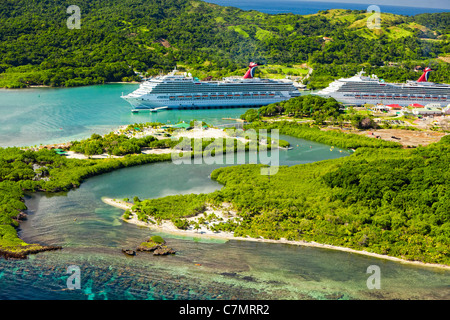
(45, 170)
(323, 111)
(381, 199)
(24, 170)
(120, 37)
(330, 137)
(120, 144)
(308, 106)
(112, 144)
(387, 201)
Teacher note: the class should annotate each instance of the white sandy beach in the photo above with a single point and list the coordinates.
(197, 133)
(74, 155)
(210, 133)
(168, 227)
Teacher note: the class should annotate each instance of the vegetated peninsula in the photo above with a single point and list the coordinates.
(53, 169)
(385, 198)
(45, 170)
(121, 40)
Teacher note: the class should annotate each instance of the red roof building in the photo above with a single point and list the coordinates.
(416, 105)
(394, 106)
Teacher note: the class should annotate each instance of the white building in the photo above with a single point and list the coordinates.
(381, 107)
(433, 105)
(427, 111)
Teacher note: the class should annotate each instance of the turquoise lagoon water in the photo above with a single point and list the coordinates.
(36, 116)
(92, 233)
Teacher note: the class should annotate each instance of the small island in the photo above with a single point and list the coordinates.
(156, 245)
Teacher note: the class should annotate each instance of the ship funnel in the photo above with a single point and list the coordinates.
(251, 70)
(426, 74)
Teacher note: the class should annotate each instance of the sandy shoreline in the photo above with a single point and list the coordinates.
(74, 155)
(169, 227)
(203, 232)
(211, 133)
(87, 85)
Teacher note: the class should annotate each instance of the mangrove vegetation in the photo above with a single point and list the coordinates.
(381, 199)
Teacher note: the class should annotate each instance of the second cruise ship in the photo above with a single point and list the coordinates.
(360, 89)
(174, 91)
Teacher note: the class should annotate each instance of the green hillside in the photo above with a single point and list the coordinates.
(120, 37)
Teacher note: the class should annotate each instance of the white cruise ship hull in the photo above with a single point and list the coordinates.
(442, 101)
(185, 92)
(361, 90)
(150, 104)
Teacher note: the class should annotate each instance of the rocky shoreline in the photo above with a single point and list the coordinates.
(23, 254)
(158, 250)
(155, 244)
(169, 228)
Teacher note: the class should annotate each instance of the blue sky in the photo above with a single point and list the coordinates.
(441, 4)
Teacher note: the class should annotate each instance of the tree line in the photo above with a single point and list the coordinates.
(119, 38)
(389, 201)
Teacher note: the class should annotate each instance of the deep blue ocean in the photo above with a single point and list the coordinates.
(311, 7)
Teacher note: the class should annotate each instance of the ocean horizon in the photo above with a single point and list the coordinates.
(312, 7)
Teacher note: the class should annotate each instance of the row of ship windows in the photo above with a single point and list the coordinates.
(260, 84)
(393, 91)
(405, 93)
(178, 92)
(377, 85)
(225, 89)
(266, 85)
(220, 96)
(372, 96)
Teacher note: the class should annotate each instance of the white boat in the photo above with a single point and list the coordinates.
(184, 91)
(360, 89)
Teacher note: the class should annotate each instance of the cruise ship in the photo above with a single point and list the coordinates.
(175, 91)
(361, 89)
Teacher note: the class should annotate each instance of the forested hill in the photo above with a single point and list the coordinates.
(119, 37)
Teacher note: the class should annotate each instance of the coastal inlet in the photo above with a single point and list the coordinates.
(92, 234)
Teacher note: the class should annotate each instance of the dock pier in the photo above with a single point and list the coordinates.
(149, 110)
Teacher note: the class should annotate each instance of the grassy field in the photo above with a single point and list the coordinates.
(360, 22)
(239, 30)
